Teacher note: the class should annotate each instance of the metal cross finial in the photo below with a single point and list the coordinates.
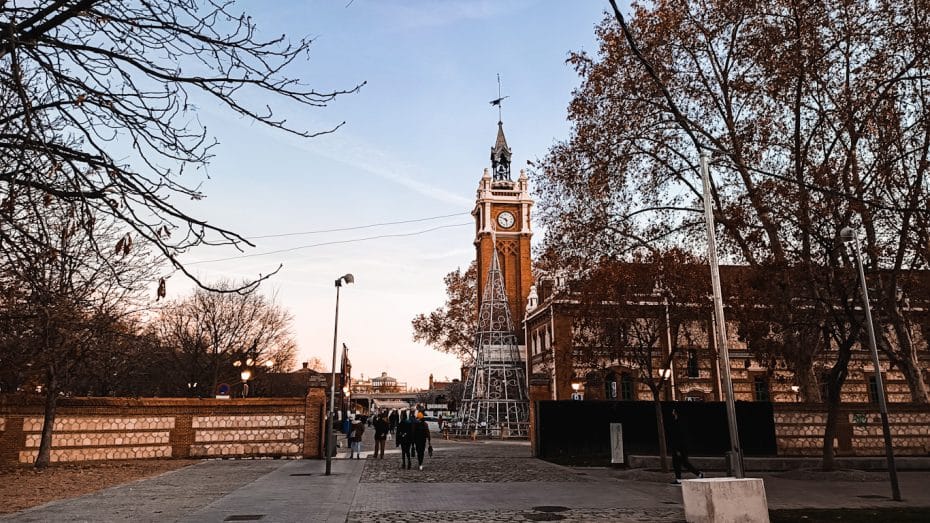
(499, 99)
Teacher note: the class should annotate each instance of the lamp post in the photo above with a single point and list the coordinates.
(348, 278)
(850, 235)
(721, 331)
(245, 374)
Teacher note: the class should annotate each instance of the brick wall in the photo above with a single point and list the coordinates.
(799, 430)
(123, 428)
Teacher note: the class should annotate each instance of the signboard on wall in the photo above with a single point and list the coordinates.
(616, 443)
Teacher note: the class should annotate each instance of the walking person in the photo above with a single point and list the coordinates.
(405, 439)
(350, 437)
(421, 438)
(381, 432)
(393, 419)
(357, 432)
(678, 443)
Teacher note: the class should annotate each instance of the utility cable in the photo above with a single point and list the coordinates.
(380, 224)
(335, 242)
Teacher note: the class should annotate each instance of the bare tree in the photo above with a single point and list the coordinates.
(630, 315)
(65, 296)
(208, 331)
(98, 107)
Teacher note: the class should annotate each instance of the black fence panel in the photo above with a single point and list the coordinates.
(578, 432)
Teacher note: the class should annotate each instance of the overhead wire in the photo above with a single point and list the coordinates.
(357, 227)
(334, 242)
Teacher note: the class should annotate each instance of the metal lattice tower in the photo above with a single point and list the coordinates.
(495, 402)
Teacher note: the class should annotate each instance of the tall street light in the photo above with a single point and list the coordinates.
(850, 235)
(348, 278)
(736, 454)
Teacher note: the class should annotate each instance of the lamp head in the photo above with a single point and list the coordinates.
(245, 375)
(348, 279)
(847, 234)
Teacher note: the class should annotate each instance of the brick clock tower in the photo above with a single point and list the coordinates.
(502, 221)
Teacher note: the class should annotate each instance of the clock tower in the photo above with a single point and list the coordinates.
(502, 222)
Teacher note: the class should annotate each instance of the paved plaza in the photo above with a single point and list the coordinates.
(463, 481)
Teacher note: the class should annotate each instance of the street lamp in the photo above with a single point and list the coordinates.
(736, 453)
(348, 278)
(850, 235)
(245, 375)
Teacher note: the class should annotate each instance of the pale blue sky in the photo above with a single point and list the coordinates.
(416, 140)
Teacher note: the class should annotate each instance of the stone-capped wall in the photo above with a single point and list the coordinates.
(799, 430)
(89, 429)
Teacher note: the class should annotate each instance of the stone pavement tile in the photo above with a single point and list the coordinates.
(450, 468)
(163, 498)
(415, 497)
(297, 492)
(506, 516)
(787, 493)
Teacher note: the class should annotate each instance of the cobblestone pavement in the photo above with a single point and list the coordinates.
(464, 481)
(457, 468)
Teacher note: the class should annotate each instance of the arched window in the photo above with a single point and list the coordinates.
(693, 370)
(610, 386)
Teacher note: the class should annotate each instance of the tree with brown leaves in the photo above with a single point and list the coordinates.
(817, 115)
(452, 327)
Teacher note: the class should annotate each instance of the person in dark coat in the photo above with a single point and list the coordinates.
(678, 444)
(358, 429)
(393, 419)
(420, 437)
(405, 439)
(381, 432)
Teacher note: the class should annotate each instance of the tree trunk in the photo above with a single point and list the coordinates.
(660, 426)
(51, 403)
(808, 386)
(833, 400)
(915, 380)
(906, 358)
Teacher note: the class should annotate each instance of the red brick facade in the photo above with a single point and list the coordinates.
(89, 429)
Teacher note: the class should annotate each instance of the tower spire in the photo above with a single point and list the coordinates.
(500, 153)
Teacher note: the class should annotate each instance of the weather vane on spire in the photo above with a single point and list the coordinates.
(499, 99)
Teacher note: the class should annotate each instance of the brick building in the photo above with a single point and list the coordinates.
(554, 352)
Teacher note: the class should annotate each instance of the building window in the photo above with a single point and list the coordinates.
(693, 364)
(825, 386)
(873, 389)
(626, 388)
(610, 386)
(760, 389)
(695, 395)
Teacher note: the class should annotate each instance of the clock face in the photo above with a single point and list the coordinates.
(505, 220)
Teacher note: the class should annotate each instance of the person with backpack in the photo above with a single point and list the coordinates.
(381, 433)
(357, 431)
(394, 419)
(404, 440)
(421, 437)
